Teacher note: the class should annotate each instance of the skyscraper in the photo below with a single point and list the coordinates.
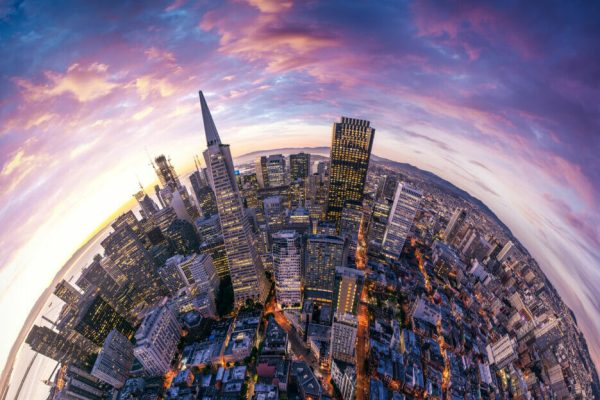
(351, 144)
(348, 286)
(147, 205)
(173, 191)
(323, 255)
(67, 293)
(55, 345)
(270, 171)
(343, 337)
(402, 214)
(262, 175)
(97, 318)
(114, 360)
(203, 192)
(453, 227)
(287, 267)
(245, 267)
(129, 256)
(276, 170)
(299, 166)
(156, 340)
(506, 251)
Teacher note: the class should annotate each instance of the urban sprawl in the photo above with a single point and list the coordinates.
(299, 276)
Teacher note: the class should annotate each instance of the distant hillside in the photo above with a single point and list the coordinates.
(408, 168)
(250, 157)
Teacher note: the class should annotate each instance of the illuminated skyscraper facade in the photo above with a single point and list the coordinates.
(97, 318)
(287, 267)
(402, 214)
(323, 254)
(299, 166)
(56, 345)
(133, 261)
(245, 267)
(351, 144)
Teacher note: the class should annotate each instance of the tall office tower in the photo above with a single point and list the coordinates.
(55, 345)
(323, 255)
(387, 186)
(287, 267)
(249, 190)
(209, 228)
(276, 170)
(163, 218)
(67, 293)
(172, 277)
(156, 340)
(299, 166)
(245, 267)
(348, 285)
(196, 270)
(350, 221)
(351, 145)
(173, 191)
(147, 205)
(183, 236)
(506, 251)
(95, 276)
(158, 196)
(97, 318)
(343, 337)
(166, 172)
(402, 214)
(204, 193)
(129, 255)
(351, 218)
(262, 175)
(81, 385)
(475, 246)
(378, 221)
(456, 222)
(114, 360)
(128, 219)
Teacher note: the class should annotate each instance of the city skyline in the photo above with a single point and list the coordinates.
(457, 96)
(115, 299)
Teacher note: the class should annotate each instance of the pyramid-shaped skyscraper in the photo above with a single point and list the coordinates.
(245, 267)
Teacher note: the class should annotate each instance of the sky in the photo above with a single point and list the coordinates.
(501, 98)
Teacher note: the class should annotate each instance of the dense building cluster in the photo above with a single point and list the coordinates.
(302, 277)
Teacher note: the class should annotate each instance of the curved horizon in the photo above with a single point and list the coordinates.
(500, 100)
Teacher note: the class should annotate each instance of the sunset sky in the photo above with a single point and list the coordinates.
(499, 99)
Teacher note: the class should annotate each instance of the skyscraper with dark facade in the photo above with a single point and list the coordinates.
(299, 166)
(114, 360)
(245, 266)
(204, 193)
(351, 144)
(55, 345)
(130, 257)
(323, 254)
(97, 318)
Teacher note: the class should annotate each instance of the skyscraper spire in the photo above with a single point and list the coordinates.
(210, 130)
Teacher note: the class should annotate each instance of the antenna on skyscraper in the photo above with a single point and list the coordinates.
(150, 158)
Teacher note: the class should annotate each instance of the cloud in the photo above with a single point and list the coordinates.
(498, 98)
(85, 83)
